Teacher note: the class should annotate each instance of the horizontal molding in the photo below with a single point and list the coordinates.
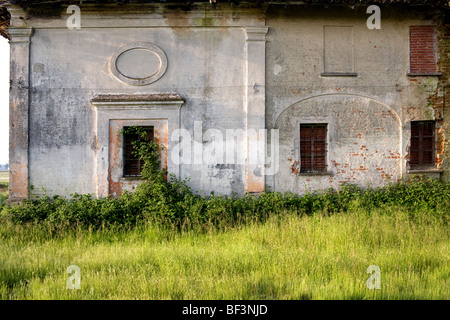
(256, 33)
(131, 179)
(137, 106)
(339, 74)
(413, 171)
(165, 101)
(424, 74)
(20, 34)
(153, 97)
(307, 174)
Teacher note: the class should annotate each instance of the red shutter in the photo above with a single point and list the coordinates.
(306, 133)
(313, 147)
(422, 144)
(320, 135)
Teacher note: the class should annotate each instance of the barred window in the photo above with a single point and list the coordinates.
(133, 165)
(422, 144)
(313, 148)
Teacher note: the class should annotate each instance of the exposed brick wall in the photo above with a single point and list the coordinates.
(440, 100)
(422, 49)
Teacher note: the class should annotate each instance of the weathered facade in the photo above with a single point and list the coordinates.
(341, 101)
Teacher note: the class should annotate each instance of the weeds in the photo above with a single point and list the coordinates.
(3, 193)
(173, 203)
(165, 242)
(165, 200)
(319, 256)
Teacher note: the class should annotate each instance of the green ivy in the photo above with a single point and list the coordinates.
(165, 200)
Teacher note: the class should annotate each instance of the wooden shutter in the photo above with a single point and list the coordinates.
(422, 144)
(132, 164)
(313, 147)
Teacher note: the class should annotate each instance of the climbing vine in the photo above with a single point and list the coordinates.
(165, 200)
(146, 150)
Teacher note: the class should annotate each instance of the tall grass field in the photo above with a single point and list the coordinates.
(4, 183)
(289, 256)
(165, 242)
(4, 176)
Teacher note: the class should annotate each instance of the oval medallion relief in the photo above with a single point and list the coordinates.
(139, 63)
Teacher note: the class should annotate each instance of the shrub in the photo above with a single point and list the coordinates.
(165, 200)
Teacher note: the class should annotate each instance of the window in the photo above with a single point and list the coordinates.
(133, 165)
(313, 148)
(338, 52)
(422, 50)
(422, 144)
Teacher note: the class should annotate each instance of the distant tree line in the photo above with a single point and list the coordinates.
(4, 166)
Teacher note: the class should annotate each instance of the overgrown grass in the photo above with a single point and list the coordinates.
(4, 176)
(290, 256)
(165, 242)
(3, 193)
(174, 204)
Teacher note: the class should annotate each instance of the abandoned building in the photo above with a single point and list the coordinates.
(319, 92)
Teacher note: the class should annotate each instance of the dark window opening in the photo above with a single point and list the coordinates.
(132, 166)
(422, 144)
(313, 148)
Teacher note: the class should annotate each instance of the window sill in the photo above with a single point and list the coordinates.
(414, 171)
(339, 74)
(326, 173)
(131, 179)
(424, 74)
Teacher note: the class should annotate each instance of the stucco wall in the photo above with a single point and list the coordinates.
(70, 67)
(368, 113)
(231, 75)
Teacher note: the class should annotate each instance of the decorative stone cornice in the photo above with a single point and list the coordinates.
(18, 16)
(162, 101)
(256, 33)
(20, 34)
